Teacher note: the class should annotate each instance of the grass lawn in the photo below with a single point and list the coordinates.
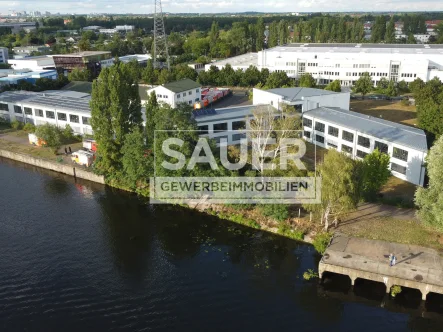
(385, 109)
(395, 230)
(397, 188)
(313, 152)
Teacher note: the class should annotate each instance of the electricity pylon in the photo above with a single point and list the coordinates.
(160, 37)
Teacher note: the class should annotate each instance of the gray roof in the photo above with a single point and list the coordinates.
(225, 113)
(16, 96)
(294, 94)
(182, 85)
(389, 131)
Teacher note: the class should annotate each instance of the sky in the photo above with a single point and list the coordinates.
(215, 6)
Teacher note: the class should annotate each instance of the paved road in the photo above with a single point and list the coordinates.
(237, 98)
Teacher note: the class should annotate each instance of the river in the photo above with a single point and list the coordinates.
(76, 256)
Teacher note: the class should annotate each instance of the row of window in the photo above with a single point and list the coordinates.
(331, 73)
(312, 64)
(184, 93)
(291, 64)
(361, 65)
(51, 115)
(222, 126)
(408, 75)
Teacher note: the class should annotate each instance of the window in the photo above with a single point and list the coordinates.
(382, 147)
(197, 99)
(397, 168)
(61, 116)
(28, 110)
(307, 134)
(307, 123)
(190, 93)
(400, 154)
(165, 96)
(85, 120)
(347, 136)
(332, 145)
(238, 137)
(4, 107)
(38, 112)
(361, 154)
(178, 95)
(74, 118)
(218, 139)
(238, 125)
(319, 138)
(17, 109)
(197, 90)
(333, 131)
(203, 130)
(320, 127)
(363, 141)
(50, 114)
(346, 148)
(220, 127)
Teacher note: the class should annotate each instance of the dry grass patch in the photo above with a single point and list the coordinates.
(389, 110)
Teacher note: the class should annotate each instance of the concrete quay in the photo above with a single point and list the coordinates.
(417, 267)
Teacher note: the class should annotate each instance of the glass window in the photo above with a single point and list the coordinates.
(74, 118)
(361, 154)
(307, 134)
(320, 127)
(332, 145)
(363, 141)
(50, 114)
(347, 136)
(382, 147)
(178, 95)
(61, 116)
(203, 130)
(197, 90)
(333, 131)
(220, 127)
(85, 120)
(190, 93)
(319, 138)
(397, 168)
(28, 110)
(17, 109)
(4, 107)
(307, 123)
(38, 112)
(238, 125)
(238, 137)
(346, 148)
(217, 139)
(400, 154)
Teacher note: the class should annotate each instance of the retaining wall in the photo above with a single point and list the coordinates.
(53, 166)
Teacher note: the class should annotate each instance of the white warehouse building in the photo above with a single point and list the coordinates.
(347, 62)
(358, 134)
(181, 91)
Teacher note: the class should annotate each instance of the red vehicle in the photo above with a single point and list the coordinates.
(90, 144)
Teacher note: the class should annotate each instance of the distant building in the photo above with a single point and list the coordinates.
(4, 55)
(94, 61)
(182, 91)
(34, 63)
(125, 28)
(13, 77)
(27, 50)
(198, 67)
(142, 59)
(17, 26)
(92, 28)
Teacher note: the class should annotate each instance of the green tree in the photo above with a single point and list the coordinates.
(391, 90)
(51, 134)
(439, 30)
(165, 76)
(149, 74)
(375, 173)
(278, 80)
(403, 86)
(80, 75)
(334, 86)
(184, 71)
(251, 77)
(260, 31)
(390, 31)
(307, 81)
(416, 85)
(430, 200)
(340, 188)
(429, 101)
(84, 45)
(151, 111)
(363, 85)
(115, 112)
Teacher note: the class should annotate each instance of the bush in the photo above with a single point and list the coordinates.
(68, 133)
(16, 125)
(279, 212)
(29, 127)
(286, 230)
(395, 290)
(310, 274)
(321, 242)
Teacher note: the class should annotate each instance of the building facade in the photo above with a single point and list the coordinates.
(35, 63)
(183, 91)
(12, 76)
(4, 55)
(357, 135)
(90, 60)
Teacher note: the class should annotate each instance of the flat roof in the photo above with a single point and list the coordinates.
(294, 94)
(360, 48)
(389, 131)
(16, 96)
(240, 60)
(82, 54)
(181, 85)
(209, 115)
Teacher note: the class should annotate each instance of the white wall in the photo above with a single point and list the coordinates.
(263, 97)
(33, 64)
(171, 98)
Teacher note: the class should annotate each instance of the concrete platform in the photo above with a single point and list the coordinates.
(417, 267)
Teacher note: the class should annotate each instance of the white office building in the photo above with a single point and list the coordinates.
(182, 91)
(357, 135)
(55, 107)
(347, 62)
(35, 63)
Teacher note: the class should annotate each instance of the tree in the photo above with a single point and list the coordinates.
(364, 84)
(391, 90)
(307, 81)
(251, 76)
(339, 188)
(390, 31)
(334, 86)
(403, 86)
(416, 85)
(430, 200)
(383, 84)
(439, 30)
(79, 75)
(149, 75)
(165, 76)
(184, 71)
(375, 173)
(277, 80)
(260, 31)
(115, 112)
(51, 134)
(84, 45)
(136, 159)
(429, 102)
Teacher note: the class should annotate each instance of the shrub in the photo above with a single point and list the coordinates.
(309, 274)
(16, 125)
(279, 212)
(29, 127)
(68, 133)
(321, 241)
(405, 102)
(286, 230)
(396, 289)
